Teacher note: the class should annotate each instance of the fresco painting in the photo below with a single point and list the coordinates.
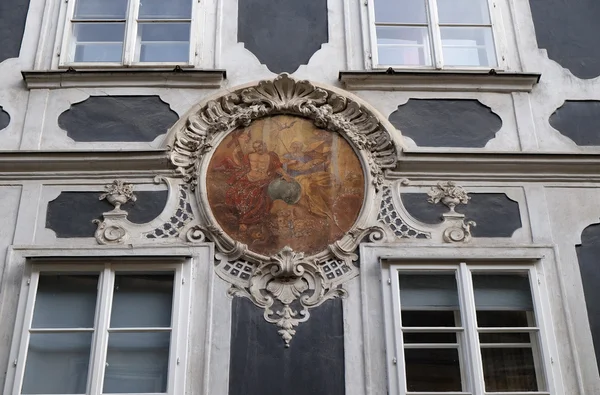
(284, 182)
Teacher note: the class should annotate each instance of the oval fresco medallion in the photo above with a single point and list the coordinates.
(284, 182)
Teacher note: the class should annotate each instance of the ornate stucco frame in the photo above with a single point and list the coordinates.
(288, 277)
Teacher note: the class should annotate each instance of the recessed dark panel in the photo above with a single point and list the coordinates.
(282, 34)
(578, 120)
(589, 267)
(495, 214)
(13, 14)
(117, 118)
(71, 213)
(569, 31)
(4, 118)
(261, 365)
(446, 123)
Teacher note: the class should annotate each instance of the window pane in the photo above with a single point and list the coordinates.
(163, 42)
(509, 369)
(463, 11)
(400, 11)
(504, 338)
(432, 370)
(428, 292)
(100, 9)
(429, 318)
(98, 42)
(137, 363)
(65, 301)
(498, 319)
(430, 337)
(468, 46)
(142, 300)
(161, 9)
(57, 363)
(403, 46)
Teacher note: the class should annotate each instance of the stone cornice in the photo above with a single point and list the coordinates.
(71, 78)
(438, 80)
(492, 166)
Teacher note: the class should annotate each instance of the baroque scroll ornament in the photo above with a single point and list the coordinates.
(283, 95)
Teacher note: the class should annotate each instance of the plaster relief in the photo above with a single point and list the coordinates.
(117, 119)
(284, 182)
(578, 120)
(568, 30)
(285, 34)
(4, 118)
(446, 122)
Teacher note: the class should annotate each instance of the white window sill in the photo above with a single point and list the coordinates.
(439, 80)
(72, 78)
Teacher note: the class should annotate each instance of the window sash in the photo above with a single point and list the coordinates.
(130, 39)
(433, 48)
(470, 357)
(101, 329)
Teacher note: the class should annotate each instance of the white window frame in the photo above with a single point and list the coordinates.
(498, 38)
(65, 37)
(22, 260)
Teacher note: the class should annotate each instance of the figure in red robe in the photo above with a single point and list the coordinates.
(247, 193)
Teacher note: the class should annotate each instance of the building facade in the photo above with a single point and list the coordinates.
(324, 197)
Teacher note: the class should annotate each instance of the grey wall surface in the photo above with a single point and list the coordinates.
(261, 365)
(588, 254)
(446, 123)
(71, 213)
(579, 121)
(117, 118)
(284, 34)
(569, 31)
(494, 213)
(4, 118)
(13, 14)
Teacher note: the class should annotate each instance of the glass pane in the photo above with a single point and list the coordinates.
(468, 46)
(137, 363)
(432, 370)
(100, 9)
(65, 301)
(142, 300)
(57, 363)
(430, 337)
(161, 9)
(463, 11)
(509, 369)
(403, 46)
(98, 42)
(504, 337)
(499, 319)
(429, 318)
(163, 42)
(400, 11)
(428, 292)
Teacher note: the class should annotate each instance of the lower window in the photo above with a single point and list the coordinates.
(101, 329)
(466, 329)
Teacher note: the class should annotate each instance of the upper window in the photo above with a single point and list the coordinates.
(128, 32)
(468, 329)
(101, 329)
(434, 33)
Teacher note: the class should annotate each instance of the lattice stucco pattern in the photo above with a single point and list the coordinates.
(182, 217)
(389, 216)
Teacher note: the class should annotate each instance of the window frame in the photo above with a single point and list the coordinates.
(179, 266)
(64, 37)
(433, 28)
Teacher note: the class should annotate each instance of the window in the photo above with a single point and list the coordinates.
(102, 329)
(128, 32)
(434, 33)
(466, 329)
